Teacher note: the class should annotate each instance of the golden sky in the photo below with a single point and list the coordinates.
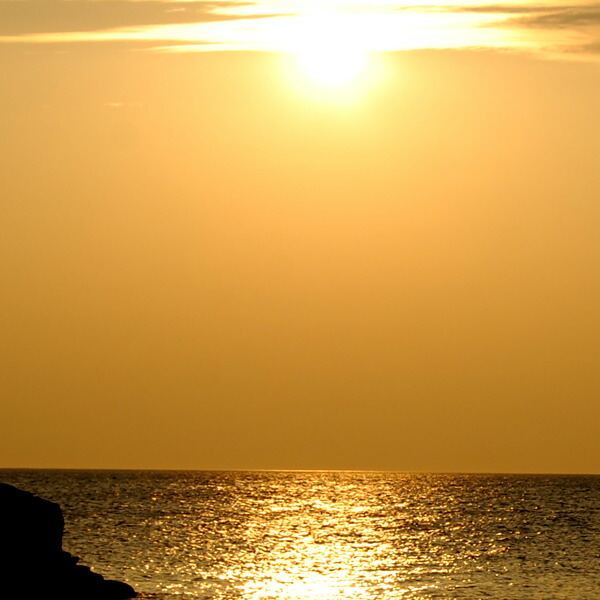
(296, 235)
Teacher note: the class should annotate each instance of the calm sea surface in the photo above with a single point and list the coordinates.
(330, 536)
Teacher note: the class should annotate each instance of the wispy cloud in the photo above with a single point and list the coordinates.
(384, 25)
(26, 17)
(563, 17)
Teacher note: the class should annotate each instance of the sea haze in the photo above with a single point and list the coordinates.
(331, 535)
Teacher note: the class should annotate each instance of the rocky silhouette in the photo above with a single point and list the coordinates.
(32, 561)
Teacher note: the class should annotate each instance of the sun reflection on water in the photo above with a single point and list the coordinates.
(318, 545)
(334, 536)
(300, 587)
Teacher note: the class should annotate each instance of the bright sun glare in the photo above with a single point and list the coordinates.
(327, 51)
(332, 67)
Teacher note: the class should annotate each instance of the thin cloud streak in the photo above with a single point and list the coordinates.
(564, 17)
(382, 25)
(24, 17)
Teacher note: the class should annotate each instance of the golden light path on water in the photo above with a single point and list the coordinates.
(322, 538)
(332, 535)
(319, 562)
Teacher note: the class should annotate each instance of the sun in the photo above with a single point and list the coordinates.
(327, 51)
(331, 66)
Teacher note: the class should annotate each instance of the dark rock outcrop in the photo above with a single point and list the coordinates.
(33, 564)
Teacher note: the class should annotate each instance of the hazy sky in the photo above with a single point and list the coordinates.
(332, 235)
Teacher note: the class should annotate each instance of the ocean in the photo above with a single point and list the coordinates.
(331, 535)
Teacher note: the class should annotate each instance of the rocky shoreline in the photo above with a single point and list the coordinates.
(32, 561)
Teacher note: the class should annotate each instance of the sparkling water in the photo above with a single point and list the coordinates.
(331, 535)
